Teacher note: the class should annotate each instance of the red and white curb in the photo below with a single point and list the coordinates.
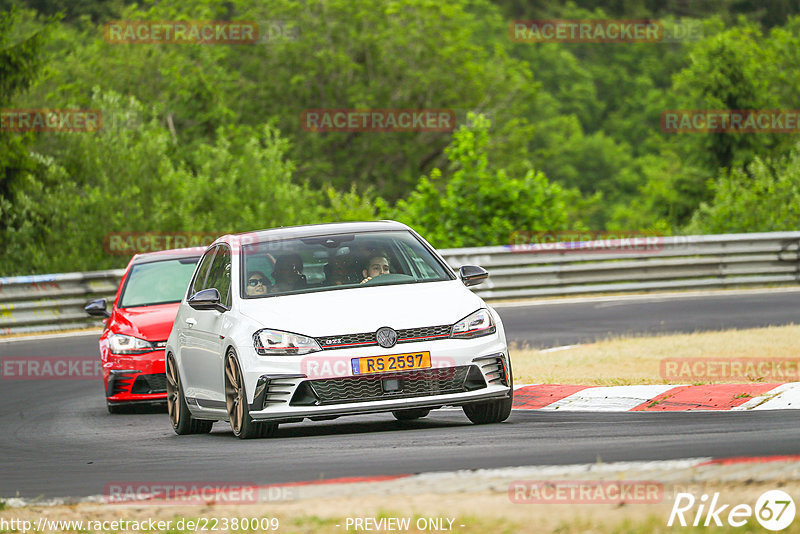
(657, 398)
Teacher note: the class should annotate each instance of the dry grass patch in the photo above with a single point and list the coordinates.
(636, 360)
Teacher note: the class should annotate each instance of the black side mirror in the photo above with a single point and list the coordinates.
(472, 275)
(97, 308)
(207, 299)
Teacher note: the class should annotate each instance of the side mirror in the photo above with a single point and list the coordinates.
(97, 308)
(207, 299)
(472, 275)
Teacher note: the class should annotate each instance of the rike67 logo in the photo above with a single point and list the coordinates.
(774, 510)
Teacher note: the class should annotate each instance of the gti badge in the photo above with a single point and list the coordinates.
(386, 337)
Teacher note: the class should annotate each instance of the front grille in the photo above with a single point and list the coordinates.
(147, 384)
(367, 339)
(421, 383)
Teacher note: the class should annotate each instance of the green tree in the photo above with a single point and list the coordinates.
(478, 205)
(20, 62)
(763, 197)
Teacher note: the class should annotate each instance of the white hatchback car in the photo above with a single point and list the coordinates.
(327, 320)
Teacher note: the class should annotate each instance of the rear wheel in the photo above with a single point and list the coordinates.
(242, 424)
(495, 411)
(179, 416)
(410, 415)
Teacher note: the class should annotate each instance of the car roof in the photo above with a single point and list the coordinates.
(171, 254)
(312, 230)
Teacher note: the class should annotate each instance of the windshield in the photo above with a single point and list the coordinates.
(338, 261)
(158, 282)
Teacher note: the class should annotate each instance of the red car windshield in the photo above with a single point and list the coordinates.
(157, 282)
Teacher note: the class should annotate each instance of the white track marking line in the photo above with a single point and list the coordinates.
(785, 396)
(608, 398)
(558, 349)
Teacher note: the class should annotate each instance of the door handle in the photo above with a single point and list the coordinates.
(190, 322)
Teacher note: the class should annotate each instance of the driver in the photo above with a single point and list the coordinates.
(376, 266)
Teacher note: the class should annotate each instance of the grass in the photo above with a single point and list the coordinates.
(636, 360)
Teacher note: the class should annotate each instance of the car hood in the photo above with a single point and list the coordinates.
(152, 323)
(365, 309)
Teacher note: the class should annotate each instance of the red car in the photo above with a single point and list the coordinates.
(139, 323)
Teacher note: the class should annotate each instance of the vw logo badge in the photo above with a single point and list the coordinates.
(386, 337)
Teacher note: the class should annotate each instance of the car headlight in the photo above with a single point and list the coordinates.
(122, 344)
(477, 324)
(276, 342)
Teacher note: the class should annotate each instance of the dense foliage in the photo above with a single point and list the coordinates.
(549, 136)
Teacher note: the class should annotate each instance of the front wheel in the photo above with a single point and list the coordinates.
(179, 416)
(242, 424)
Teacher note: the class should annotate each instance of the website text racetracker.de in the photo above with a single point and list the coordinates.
(378, 120)
(200, 524)
(603, 31)
(730, 121)
(630, 241)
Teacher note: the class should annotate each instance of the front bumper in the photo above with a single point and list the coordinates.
(135, 378)
(295, 396)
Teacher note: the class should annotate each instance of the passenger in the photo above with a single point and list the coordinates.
(257, 284)
(288, 274)
(376, 266)
(342, 270)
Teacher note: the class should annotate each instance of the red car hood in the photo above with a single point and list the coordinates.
(152, 323)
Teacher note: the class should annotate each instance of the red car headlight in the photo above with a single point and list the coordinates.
(122, 344)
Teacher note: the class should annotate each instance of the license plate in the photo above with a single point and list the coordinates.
(392, 362)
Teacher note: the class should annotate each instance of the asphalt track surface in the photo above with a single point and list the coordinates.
(57, 439)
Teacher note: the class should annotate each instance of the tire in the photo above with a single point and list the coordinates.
(242, 424)
(410, 415)
(179, 416)
(495, 411)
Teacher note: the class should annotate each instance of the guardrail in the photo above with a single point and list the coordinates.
(55, 301)
(46, 302)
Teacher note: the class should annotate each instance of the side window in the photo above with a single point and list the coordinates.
(422, 269)
(219, 276)
(199, 281)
